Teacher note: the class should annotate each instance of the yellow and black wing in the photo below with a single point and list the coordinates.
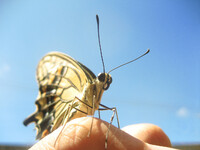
(61, 79)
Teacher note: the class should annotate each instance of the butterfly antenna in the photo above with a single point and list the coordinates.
(130, 61)
(97, 17)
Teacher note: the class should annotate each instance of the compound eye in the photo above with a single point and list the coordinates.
(101, 77)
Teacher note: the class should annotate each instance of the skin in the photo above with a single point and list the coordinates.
(74, 136)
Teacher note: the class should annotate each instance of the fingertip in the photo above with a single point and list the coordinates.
(148, 133)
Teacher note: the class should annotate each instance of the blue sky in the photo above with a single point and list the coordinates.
(161, 88)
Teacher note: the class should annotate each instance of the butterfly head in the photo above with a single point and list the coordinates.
(105, 80)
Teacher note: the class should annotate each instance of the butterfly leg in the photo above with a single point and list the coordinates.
(114, 109)
(92, 116)
(70, 107)
(64, 122)
(99, 114)
(111, 120)
(91, 107)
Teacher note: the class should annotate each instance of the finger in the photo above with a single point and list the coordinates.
(75, 137)
(148, 133)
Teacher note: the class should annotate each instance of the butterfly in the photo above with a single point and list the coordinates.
(67, 90)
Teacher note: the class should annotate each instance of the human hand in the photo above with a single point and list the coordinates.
(74, 136)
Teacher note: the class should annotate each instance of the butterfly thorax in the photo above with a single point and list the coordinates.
(94, 91)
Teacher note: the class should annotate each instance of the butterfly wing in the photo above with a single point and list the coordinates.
(61, 79)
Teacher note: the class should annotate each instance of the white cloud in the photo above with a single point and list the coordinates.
(4, 68)
(182, 112)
